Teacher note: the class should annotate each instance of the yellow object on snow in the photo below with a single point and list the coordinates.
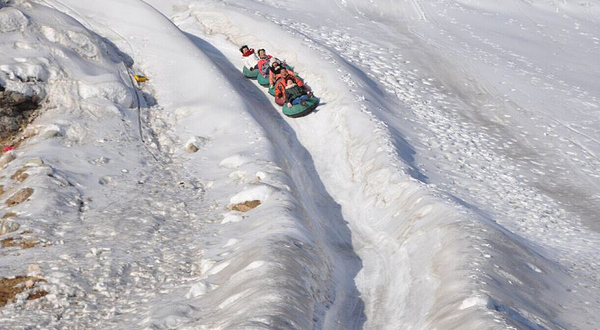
(139, 78)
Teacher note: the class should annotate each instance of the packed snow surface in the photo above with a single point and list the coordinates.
(449, 178)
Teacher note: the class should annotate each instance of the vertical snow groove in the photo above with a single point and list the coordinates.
(333, 264)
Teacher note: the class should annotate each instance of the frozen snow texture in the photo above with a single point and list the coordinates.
(258, 192)
(12, 19)
(234, 161)
(409, 200)
(113, 91)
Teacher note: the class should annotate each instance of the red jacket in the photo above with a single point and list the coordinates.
(282, 83)
(263, 65)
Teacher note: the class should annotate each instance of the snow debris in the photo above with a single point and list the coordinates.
(261, 176)
(52, 131)
(191, 148)
(473, 301)
(231, 217)
(234, 161)
(33, 162)
(7, 226)
(231, 241)
(33, 270)
(199, 289)
(250, 198)
(238, 176)
(113, 91)
(12, 19)
(253, 265)
(195, 143)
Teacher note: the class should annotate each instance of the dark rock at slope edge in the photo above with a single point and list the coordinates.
(16, 111)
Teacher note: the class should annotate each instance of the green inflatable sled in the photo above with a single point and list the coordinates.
(299, 110)
(250, 73)
(264, 81)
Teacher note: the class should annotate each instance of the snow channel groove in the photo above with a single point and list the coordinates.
(320, 213)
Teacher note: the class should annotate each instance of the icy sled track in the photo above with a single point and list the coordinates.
(408, 201)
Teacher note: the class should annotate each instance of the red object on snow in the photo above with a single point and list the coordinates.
(8, 148)
(249, 52)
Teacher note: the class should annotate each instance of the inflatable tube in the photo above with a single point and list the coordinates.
(280, 100)
(264, 81)
(299, 110)
(272, 90)
(250, 74)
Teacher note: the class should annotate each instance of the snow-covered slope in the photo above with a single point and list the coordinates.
(448, 179)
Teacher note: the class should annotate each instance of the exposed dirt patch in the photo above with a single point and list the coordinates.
(6, 158)
(244, 207)
(37, 294)
(16, 112)
(24, 243)
(20, 175)
(11, 287)
(19, 197)
(1, 190)
(9, 215)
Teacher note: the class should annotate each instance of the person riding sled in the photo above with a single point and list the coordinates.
(284, 76)
(274, 72)
(295, 94)
(264, 61)
(249, 57)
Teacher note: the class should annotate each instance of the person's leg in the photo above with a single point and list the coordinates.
(303, 99)
(297, 100)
